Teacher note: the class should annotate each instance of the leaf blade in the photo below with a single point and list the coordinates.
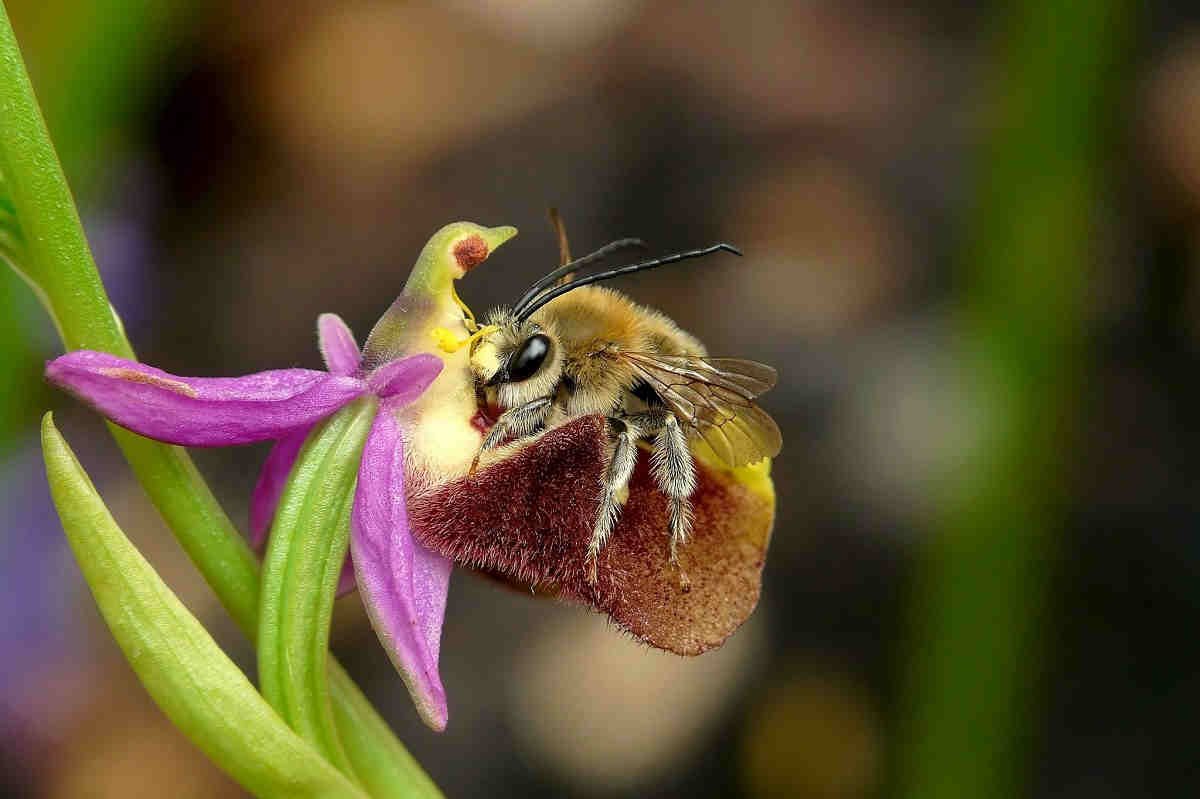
(190, 678)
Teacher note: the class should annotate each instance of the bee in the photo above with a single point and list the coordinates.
(568, 348)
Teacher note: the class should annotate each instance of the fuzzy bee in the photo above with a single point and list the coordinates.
(568, 348)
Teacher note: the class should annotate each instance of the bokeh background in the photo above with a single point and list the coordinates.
(971, 236)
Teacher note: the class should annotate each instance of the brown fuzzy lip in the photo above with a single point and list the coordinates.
(528, 519)
(470, 252)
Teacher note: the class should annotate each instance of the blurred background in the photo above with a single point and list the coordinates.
(985, 312)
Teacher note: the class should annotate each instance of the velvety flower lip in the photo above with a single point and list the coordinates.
(527, 517)
(404, 585)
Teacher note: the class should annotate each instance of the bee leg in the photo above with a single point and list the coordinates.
(517, 422)
(674, 473)
(614, 483)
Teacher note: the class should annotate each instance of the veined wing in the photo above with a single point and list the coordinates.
(714, 399)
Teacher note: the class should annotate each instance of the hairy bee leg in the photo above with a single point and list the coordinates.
(675, 474)
(517, 422)
(674, 471)
(616, 480)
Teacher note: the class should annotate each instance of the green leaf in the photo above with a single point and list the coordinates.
(57, 261)
(103, 66)
(381, 762)
(192, 680)
(61, 271)
(308, 544)
(19, 350)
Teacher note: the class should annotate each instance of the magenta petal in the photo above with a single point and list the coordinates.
(201, 411)
(403, 585)
(403, 380)
(346, 578)
(265, 498)
(271, 481)
(337, 344)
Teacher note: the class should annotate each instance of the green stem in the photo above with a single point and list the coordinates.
(979, 627)
(60, 267)
(381, 763)
(308, 545)
(101, 67)
(58, 259)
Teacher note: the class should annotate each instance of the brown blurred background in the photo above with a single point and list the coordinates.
(245, 166)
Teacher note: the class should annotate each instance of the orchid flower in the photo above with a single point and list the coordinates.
(284, 405)
(527, 513)
(403, 584)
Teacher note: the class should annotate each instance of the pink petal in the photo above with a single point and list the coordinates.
(403, 585)
(346, 579)
(405, 379)
(337, 344)
(201, 411)
(265, 498)
(271, 481)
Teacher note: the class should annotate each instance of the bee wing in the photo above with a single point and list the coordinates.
(714, 399)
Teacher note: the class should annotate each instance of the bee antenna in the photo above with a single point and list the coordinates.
(590, 258)
(524, 311)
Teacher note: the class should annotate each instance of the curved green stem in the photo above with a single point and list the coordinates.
(308, 545)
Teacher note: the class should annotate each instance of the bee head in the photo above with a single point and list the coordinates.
(520, 360)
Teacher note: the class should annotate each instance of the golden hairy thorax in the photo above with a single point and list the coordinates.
(592, 325)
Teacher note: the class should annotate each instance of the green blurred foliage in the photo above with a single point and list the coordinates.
(96, 63)
(980, 611)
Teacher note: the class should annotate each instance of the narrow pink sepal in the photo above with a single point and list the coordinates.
(405, 379)
(201, 411)
(338, 348)
(346, 581)
(403, 585)
(271, 481)
(264, 500)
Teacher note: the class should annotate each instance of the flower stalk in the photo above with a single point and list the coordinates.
(310, 537)
(58, 265)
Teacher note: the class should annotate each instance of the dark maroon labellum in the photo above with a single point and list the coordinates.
(529, 518)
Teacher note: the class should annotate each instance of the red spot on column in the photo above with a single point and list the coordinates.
(470, 252)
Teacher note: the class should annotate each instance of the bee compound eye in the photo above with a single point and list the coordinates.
(528, 358)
